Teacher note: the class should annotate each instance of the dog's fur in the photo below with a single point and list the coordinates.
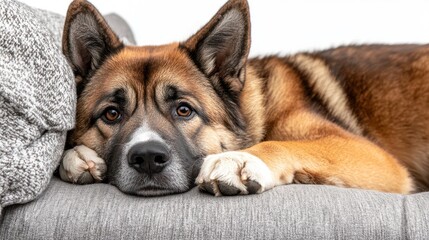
(353, 116)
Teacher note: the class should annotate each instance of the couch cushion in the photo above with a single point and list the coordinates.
(416, 208)
(100, 211)
(37, 100)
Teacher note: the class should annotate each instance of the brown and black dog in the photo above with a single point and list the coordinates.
(156, 120)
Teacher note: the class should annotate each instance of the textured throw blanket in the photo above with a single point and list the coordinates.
(37, 100)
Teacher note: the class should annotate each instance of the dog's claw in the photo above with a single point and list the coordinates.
(234, 173)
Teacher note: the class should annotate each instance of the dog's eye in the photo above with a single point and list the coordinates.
(111, 115)
(184, 111)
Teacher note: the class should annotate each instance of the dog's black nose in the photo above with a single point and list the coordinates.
(149, 157)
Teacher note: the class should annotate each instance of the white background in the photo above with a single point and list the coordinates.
(278, 26)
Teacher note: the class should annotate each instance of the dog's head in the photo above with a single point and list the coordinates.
(153, 112)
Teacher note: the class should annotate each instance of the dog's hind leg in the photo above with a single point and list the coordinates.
(82, 165)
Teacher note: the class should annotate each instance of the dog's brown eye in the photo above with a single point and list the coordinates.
(112, 115)
(184, 111)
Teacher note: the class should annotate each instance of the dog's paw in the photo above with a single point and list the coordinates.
(233, 173)
(82, 165)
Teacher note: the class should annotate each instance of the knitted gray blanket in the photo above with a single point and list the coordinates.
(37, 100)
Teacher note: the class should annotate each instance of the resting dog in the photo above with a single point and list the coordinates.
(157, 120)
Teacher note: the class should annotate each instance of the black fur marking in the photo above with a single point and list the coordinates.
(231, 104)
(118, 97)
(81, 86)
(235, 121)
(339, 73)
(173, 94)
(146, 68)
(192, 56)
(317, 103)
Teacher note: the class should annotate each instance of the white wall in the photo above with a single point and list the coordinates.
(278, 26)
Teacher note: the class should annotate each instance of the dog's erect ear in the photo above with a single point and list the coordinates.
(221, 47)
(87, 39)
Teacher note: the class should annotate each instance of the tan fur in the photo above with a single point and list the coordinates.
(352, 116)
(326, 85)
(317, 147)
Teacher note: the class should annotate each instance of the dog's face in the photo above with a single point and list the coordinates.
(152, 113)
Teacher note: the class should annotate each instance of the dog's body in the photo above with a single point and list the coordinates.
(354, 116)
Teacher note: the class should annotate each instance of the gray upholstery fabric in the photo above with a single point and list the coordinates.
(37, 100)
(416, 209)
(100, 211)
(121, 28)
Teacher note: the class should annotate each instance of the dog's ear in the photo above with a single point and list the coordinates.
(87, 39)
(221, 47)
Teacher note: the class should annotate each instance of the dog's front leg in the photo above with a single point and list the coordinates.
(333, 160)
(82, 165)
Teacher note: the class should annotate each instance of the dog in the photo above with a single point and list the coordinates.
(158, 120)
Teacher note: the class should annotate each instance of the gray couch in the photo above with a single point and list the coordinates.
(100, 211)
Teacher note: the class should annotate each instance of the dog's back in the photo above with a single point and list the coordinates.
(377, 91)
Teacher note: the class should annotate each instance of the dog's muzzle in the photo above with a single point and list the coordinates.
(149, 157)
